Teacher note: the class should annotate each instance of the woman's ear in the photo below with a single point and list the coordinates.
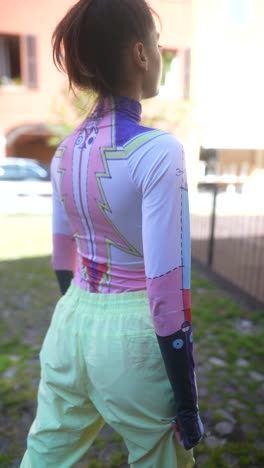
(140, 57)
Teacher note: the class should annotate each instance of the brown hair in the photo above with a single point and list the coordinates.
(89, 43)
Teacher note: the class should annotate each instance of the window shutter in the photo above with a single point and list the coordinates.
(187, 74)
(5, 68)
(31, 61)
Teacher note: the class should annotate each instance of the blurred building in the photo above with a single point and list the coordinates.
(28, 79)
(29, 82)
(227, 85)
(212, 88)
(212, 85)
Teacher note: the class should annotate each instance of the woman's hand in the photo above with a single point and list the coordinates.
(188, 430)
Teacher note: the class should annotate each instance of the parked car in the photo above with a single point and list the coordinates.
(24, 177)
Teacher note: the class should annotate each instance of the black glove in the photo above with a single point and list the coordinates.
(176, 351)
(191, 430)
(64, 278)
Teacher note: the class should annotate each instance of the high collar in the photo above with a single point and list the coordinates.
(129, 108)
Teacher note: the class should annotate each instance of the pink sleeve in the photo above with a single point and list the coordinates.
(64, 255)
(64, 247)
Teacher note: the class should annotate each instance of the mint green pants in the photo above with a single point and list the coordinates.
(100, 362)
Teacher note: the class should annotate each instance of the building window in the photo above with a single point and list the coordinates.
(18, 65)
(168, 65)
(170, 80)
(10, 66)
(175, 81)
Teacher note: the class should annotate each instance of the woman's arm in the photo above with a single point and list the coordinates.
(64, 278)
(64, 249)
(167, 254)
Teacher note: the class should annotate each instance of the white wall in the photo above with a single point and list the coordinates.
(228, 72)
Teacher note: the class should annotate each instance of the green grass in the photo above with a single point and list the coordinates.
(27, 298)
(5, 461)
(118, 459)
(5, 362)
(96, 464)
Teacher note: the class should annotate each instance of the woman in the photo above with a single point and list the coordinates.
(119, 347)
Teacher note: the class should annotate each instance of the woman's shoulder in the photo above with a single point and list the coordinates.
(153, 153)
(155, 144)
(161, 137)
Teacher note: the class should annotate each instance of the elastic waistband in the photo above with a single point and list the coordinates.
(110, 299)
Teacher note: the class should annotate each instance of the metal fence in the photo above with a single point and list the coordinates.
(228, 238)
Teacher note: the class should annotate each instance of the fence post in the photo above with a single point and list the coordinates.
(212, 228)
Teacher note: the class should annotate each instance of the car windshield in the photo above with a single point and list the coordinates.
(22, 172)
